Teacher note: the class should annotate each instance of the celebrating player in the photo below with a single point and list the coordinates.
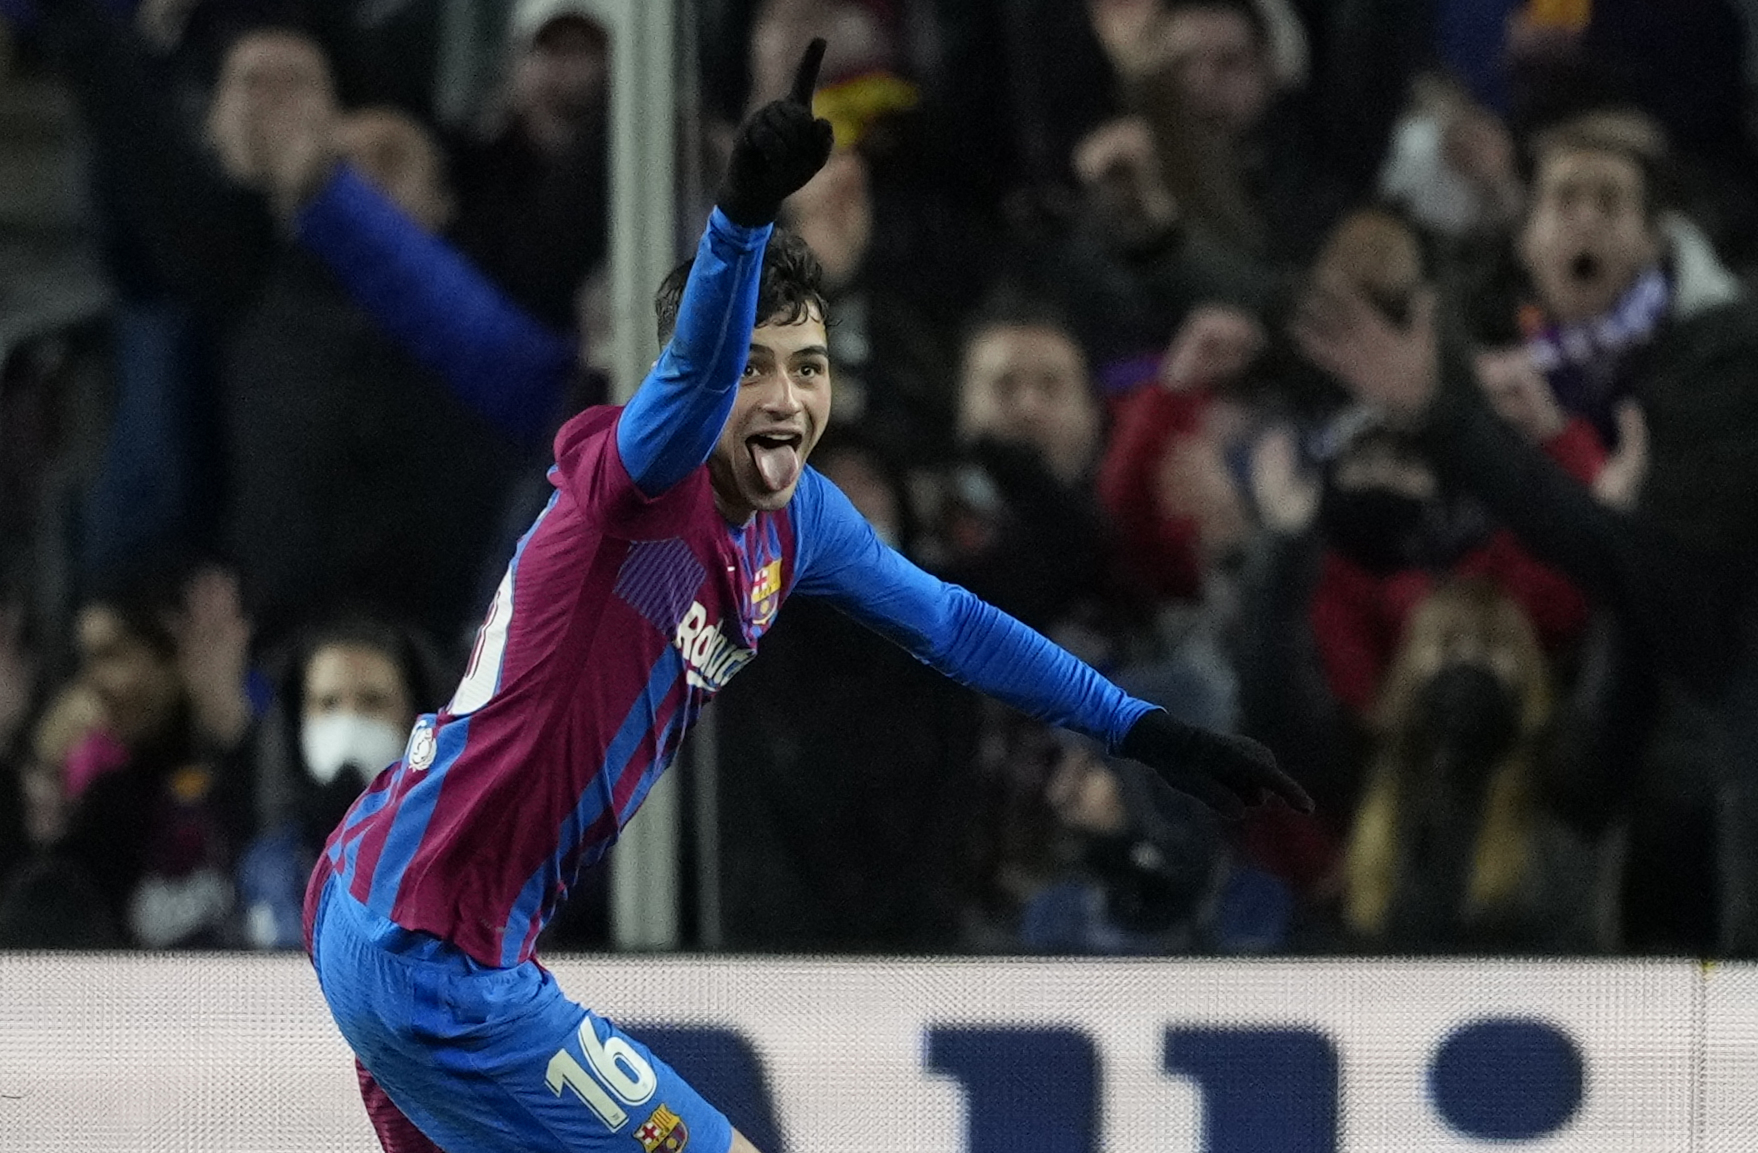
(677, 527)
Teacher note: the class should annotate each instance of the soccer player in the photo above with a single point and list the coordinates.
(678, 526)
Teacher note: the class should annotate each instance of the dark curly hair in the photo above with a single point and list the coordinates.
(791, 287)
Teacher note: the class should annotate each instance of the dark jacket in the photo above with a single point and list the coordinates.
(845, 767)
(1019, 538)
(535, 225)
(350, 472)
(156, 839)
(1678, 573)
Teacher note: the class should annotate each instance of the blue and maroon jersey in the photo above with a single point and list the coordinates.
(628, 604)
(619, 617)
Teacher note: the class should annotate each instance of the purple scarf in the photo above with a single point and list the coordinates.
(1582, 360)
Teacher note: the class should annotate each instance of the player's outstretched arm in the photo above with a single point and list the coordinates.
(978, 645)
(671, 425)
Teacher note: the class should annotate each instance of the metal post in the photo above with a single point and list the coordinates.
(704, 744)
(643, 248)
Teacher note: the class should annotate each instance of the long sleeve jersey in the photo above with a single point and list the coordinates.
(628, 604)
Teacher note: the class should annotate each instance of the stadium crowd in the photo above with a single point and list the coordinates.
(1376, 379)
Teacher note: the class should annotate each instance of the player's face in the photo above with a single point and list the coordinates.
(779, 414)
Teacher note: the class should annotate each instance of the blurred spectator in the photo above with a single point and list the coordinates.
(49, 899)
(1133, 263)
(1265, 166)
(1133, 879)
(1452, 848)
(531, 186)
(522, 376)
(1127, 870)
(151, 753)
(1206, 183)
(1076, 63)
(873, 60)
(1359, 531)
(1677, 568)
(1608, 264)
(1019, 523)
(399, 156)
(1390, 528)
(1388, 525)
(1452, 165)
(1165, 480)
(861, 40)
(1684, 64)
(351, 693)
(380, 54)
(1217, 54)
(347, 469)
(1024, 382)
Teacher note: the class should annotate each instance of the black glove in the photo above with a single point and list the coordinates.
(779, 147)
(1224, 772)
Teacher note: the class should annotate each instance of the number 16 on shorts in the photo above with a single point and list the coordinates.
(614, 1079)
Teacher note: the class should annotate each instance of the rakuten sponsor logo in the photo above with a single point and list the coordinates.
(710, 659)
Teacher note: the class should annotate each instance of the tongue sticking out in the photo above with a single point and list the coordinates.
(777, 464)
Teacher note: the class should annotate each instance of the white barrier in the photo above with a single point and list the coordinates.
(235, 1053)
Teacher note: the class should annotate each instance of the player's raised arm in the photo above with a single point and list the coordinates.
(670, 426)
(978, 645)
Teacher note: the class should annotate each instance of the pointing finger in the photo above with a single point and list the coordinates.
(806, 76)
(1264, 774)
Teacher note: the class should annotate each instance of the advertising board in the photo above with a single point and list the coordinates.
(236, 1053)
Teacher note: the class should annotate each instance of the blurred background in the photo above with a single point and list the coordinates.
(293, 297)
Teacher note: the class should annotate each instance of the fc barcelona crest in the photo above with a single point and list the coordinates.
(766, 594)
(664, 1132)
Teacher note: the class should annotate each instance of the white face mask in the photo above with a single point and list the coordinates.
(337, 739)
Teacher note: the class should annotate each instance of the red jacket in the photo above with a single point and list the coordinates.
(1159, 554)
(1358, 616)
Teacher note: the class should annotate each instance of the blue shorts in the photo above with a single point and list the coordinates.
(491, 1060)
